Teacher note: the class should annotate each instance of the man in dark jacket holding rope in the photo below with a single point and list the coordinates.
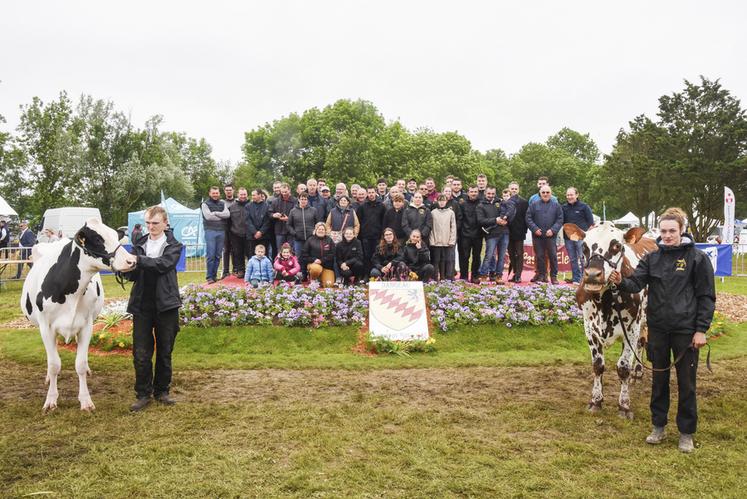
(681, 302)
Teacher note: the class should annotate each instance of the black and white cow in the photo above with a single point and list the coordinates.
(63, 295)
(607, 248)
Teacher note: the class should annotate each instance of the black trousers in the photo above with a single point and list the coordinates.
(228, 253)
(662, 349)
(239, 247)
(443, 262)
(425, 273)
(369, 248)
(151, 329)
(356, 270)
(516, 255)
(473, 246)
(544, 249)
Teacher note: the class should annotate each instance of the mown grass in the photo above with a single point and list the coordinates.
(733, 285)
(370, 444)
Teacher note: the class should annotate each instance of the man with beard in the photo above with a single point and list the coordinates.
(227, 251)
(238, 232)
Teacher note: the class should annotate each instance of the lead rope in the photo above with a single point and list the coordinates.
(616, 305)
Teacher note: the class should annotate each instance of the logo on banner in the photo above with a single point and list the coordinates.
(712, 254)
(396, 308)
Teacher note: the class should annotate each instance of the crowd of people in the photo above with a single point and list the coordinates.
(408, 230)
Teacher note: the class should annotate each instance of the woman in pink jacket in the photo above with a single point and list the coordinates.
(286, 266)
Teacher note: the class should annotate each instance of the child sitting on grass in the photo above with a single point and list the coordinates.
(259, 268)
(286, 266)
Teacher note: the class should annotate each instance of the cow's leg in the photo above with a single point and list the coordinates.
(54, 365)
(81, 367)
(624, 368)
(597, 362)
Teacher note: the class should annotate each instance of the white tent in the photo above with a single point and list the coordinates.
(6, 210)
(629, 220)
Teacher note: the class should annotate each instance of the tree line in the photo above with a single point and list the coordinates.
(91, 154)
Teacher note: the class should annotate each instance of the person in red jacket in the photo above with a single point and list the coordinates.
(286, 266)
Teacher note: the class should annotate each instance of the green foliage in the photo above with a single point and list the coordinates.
(380, 345)
(350, 141)
(91, 155)
(698, 145)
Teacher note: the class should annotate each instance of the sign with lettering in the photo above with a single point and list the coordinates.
(396, 310)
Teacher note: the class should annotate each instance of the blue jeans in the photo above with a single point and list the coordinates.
(298, 250)
(214, 240)
(500, 244)
(575, 250)
(502, 248)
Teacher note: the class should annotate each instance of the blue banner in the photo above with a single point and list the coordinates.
(720, 255)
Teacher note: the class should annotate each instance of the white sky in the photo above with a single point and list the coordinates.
(502, 75)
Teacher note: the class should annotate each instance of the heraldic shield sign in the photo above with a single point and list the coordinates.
(396, 310)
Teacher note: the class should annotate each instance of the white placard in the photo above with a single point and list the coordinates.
(396, 310)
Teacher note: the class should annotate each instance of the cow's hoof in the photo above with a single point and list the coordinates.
(87, 406)
(49, 406)
(625, 413)
(594, 407)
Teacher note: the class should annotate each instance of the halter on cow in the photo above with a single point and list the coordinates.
(63, 295)
(609, 316)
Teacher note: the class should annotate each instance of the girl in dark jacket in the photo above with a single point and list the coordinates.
(417, 256)
(681, 303)
(349, 257)
(319, 255)
(387, 261)
(154, 305)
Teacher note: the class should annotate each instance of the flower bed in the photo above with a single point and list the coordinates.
(451, 304)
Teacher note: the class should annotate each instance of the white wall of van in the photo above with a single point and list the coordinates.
(68, 220)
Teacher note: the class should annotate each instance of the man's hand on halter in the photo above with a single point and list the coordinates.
(615, 277)
(699, 340)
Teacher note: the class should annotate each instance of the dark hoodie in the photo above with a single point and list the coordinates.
(681, 293)
(156, 274)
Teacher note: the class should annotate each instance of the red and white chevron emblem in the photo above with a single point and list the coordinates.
(396, 308)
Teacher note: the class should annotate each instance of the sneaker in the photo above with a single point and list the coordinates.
(210, 281)
(554, 280)
(499, 280)
(657, 436)
(165, 399)
(140, 404)
(686, 443)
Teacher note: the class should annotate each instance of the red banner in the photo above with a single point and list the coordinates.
(564, 263)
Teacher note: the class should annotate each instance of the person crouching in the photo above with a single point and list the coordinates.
(259, 268)
(286, 266)
(319, 252)
(349, 255)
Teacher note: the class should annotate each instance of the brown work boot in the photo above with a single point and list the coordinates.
(499, 280)
(140, 404)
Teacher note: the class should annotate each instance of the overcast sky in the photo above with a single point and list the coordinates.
(501, 75)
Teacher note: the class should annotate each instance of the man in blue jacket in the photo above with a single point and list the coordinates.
(579, 213)
(545, 219)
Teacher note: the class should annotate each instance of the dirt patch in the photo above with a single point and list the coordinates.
(734, 307)
(469, 388)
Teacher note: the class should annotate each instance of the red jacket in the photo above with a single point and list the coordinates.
(290, 265)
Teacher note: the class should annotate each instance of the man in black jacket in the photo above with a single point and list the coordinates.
(517, 232)
(371, 217)
(257, 222)
(238, 233)
(470, 235)
(154, 305)
(681, 303)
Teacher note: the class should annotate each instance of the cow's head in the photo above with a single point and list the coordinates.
(604, 251)
(101, 244)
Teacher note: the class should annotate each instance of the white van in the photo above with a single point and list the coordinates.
(68, 220)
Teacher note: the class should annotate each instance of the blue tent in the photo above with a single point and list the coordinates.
(185, 222)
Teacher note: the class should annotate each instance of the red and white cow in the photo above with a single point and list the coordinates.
(607, 248)
(63, 295)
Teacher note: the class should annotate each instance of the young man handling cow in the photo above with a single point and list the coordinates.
(681, 302)
(154, 305)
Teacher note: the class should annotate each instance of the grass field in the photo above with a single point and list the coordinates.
(293, 412)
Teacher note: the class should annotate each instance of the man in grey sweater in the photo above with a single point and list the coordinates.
(545, 219)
